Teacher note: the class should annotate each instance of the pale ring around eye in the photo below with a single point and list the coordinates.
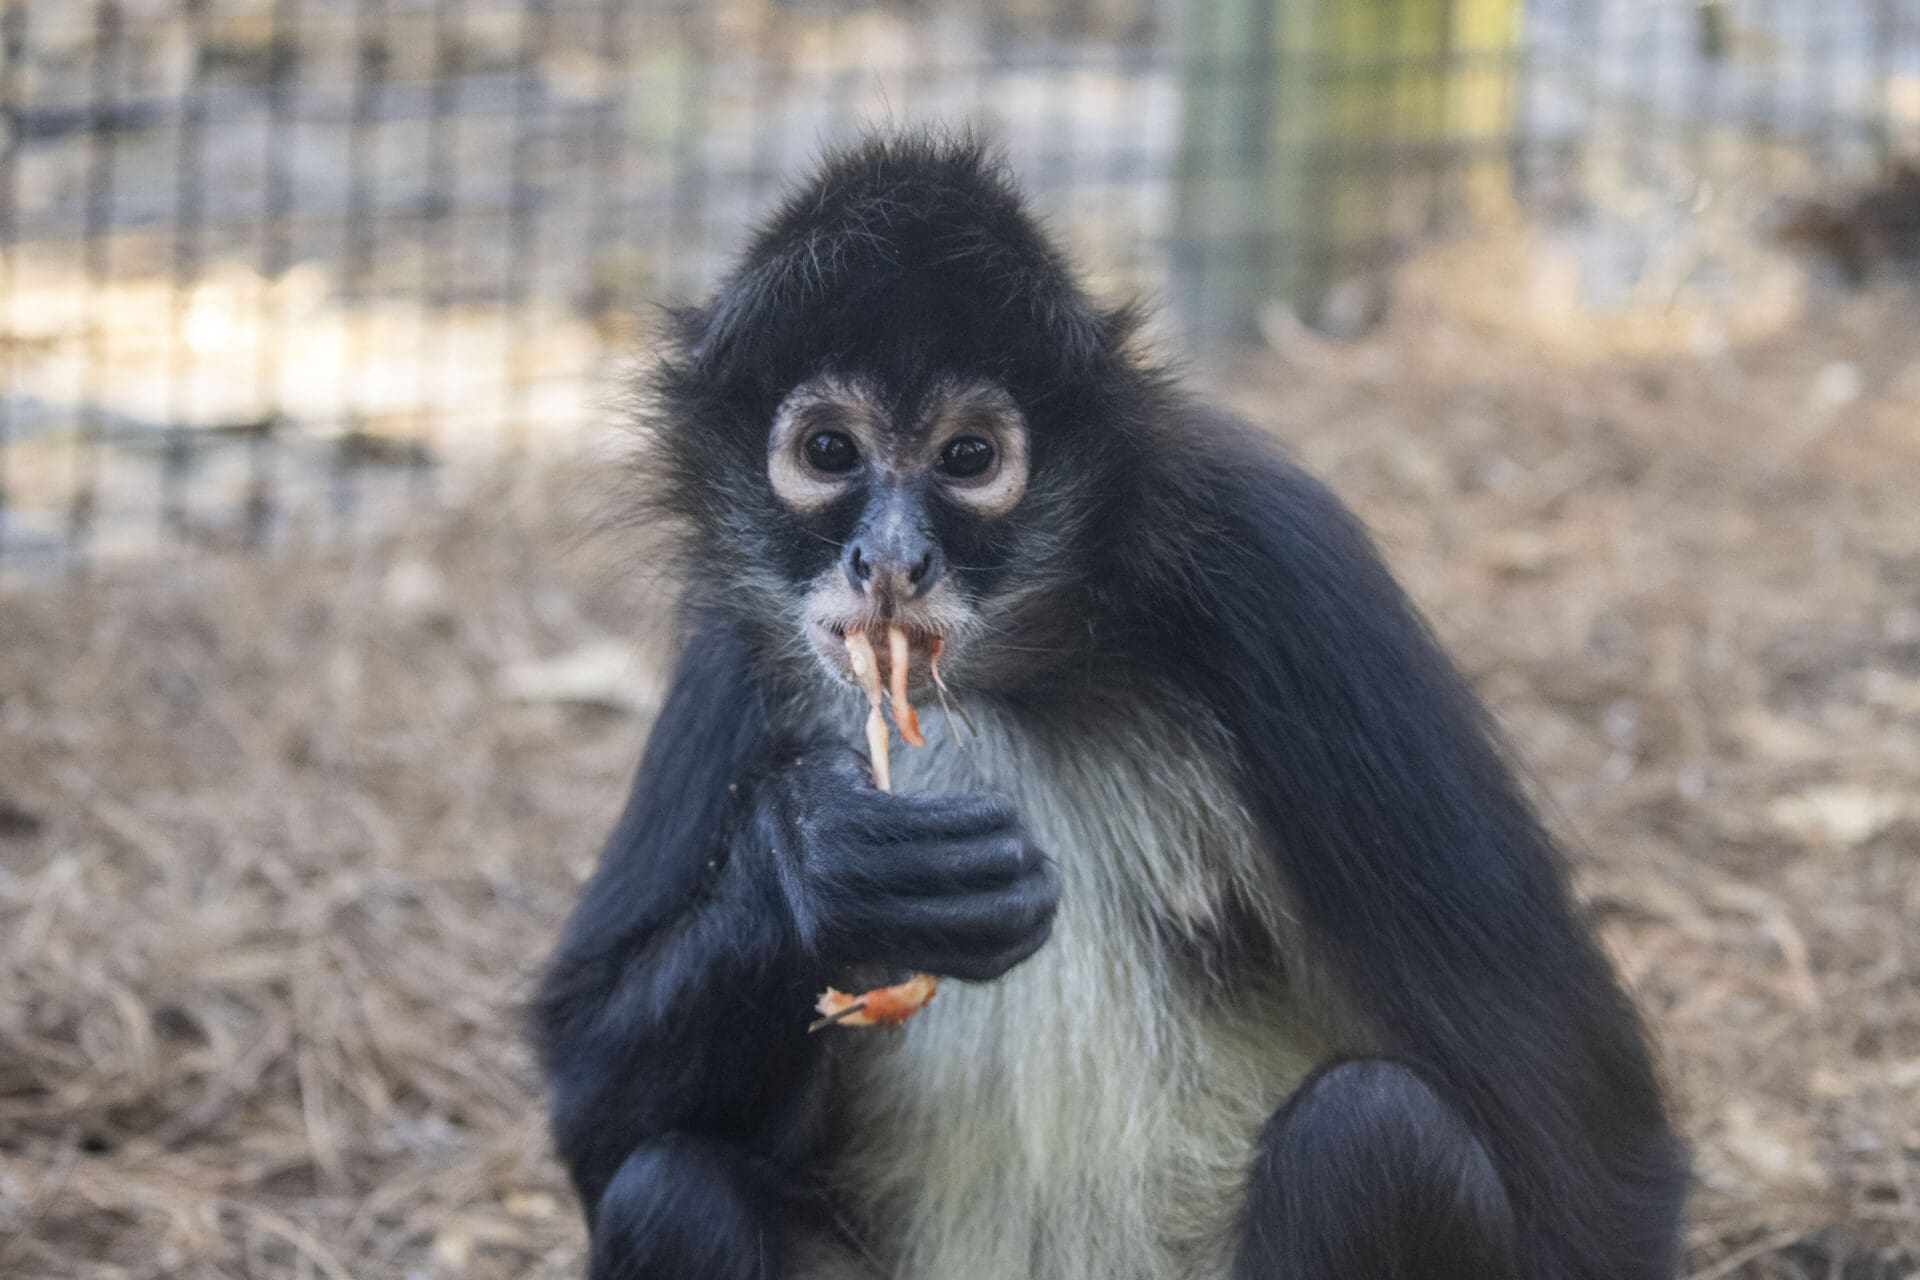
(821, 439)
(985, 471)
(978, 455)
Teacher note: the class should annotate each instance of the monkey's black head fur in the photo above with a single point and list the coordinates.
(910, 255)
(910, 265)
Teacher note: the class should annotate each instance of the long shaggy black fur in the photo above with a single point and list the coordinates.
(1162, 549)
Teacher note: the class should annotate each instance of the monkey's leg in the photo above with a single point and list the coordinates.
(1367, 1174)
(682, 1206)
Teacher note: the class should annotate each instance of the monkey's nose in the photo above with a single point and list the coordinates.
(893, 572)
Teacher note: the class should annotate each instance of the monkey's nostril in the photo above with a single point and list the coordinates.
(861, 569)
(921, 570)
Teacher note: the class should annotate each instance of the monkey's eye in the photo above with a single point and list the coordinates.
(831, 452)
(966, 457)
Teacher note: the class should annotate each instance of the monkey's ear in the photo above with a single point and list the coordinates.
(712, 336)
(1120, 325)
(1120, 329)
(1075, 340)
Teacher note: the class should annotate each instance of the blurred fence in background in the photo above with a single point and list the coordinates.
(265, 262)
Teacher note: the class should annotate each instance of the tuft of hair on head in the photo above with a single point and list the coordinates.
(899, 246)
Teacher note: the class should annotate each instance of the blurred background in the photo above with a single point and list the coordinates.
(316, 693)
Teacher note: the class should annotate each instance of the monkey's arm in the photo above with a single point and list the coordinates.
(674, 1003)
(751, 865)
(1423, 879)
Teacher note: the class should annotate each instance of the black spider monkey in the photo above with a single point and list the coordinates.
(1267, 970)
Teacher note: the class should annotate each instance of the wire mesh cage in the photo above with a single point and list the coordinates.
(273, 261)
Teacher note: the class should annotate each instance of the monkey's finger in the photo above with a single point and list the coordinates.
(946, 867)
(931, 932)
(921, 817)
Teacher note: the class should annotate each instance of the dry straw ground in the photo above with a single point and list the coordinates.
(281, 840)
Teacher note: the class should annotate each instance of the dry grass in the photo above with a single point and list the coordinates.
(281, 841)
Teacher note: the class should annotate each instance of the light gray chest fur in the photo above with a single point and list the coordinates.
(1092, 1114)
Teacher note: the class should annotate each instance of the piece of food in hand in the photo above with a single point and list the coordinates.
(881, 1007)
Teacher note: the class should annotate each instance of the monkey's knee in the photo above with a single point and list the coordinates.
(1368, 1174)
(681, 1206)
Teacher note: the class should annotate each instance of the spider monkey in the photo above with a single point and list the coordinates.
(1265, 967)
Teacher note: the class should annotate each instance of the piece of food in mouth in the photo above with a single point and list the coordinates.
(899, 655)
(866, 670)
(883, 1006)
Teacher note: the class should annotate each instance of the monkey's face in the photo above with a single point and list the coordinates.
(903, 512)
(901, 410)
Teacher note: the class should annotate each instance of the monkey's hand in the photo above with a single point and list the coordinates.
(949, 885)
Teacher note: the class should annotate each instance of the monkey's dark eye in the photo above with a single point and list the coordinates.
(966, 457)
(831, 452)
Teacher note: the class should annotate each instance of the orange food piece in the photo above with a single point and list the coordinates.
(903, 712)
(881, 1007)
(904, 715)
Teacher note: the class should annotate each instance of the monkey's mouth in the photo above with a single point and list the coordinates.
(828, 636)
